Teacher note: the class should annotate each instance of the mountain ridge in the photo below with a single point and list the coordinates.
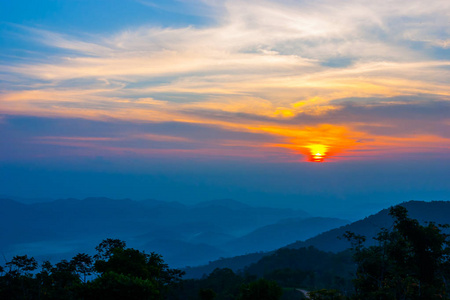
(149, 224)
(332, 241)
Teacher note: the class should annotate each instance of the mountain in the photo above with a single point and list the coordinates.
(331, 241)
(228, 203)
(182, 234)
(234, 263)
(60, 228)
(178, 251)
(277, 235)
(435, 211)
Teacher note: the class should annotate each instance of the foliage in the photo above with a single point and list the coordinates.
(410, 262)
(223, 282)
(261, 289)
(83, 265)
(59, 281)
(325, 294)
(121, 273)
(146, 272)
(308, 267)
(106, 247)
(206, 294)
(116, 286)
(18, 281)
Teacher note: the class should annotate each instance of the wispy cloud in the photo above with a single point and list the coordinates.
(261, 67)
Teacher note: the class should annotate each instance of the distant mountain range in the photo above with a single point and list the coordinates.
(183, 234)
(435, 211)
(281, 233)
(219, 233)
(332, 241)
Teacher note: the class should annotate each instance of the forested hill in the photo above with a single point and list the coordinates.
(435, 211)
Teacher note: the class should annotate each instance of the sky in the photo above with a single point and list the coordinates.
(337, 107)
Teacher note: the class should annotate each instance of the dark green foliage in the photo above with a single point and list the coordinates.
(292, 294)
(18, 282)
(410, 262)
(122, 273)
(21, 265)
(261, 289)
(306, 267)
(296, 268)
(290, 277)
(116, 286)
(437, 211)
(325, 294)
(83, 266)
(224, 282)
(206, 294)
(234, 263)
(106, 247)
(129, 269)
(59, 281)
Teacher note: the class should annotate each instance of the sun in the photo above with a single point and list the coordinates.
(318, 157)
(317, 152)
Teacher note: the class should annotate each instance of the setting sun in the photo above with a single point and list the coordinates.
(317, 152)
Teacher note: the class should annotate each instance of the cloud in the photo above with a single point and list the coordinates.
(259, 65)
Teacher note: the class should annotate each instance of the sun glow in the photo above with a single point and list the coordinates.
(317, 152)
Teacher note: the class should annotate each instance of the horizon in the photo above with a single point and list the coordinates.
(350, 216)
(337, 108)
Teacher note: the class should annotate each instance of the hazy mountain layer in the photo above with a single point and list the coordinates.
(184, 235)
(435, 211)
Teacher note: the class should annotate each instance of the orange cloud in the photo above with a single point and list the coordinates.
(316, 143)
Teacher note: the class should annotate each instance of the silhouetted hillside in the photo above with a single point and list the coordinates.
(435, 211)
(277, 235)
(234, 263)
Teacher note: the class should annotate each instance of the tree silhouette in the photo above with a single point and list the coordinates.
(127, 273)
(410, 262)
(261, 289)
(18, 281)
(106, 247)
(83, 265)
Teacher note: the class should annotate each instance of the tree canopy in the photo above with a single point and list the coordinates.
(410, 261)
(114, 272)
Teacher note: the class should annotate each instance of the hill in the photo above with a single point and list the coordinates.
(59, 229)
(435, 211)
(331, 241)
(277, 235)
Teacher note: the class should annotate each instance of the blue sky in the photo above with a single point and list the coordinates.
(326, 105)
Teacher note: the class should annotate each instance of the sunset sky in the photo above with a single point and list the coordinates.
(324, 105)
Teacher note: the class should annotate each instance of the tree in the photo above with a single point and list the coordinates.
(83, 265)
(115, 286)
(18, 282)
(410, 262)
(127, 273)
(261, 289)
(206, 294)
(325, 294)
(123, 273)
(60, 281)
(22, 265)
(106, 247)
